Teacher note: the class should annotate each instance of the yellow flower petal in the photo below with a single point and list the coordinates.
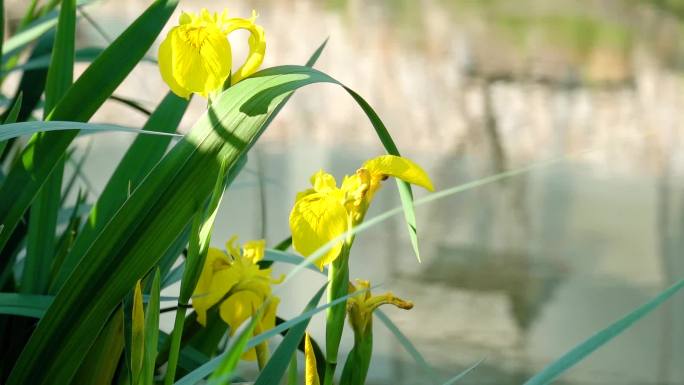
(238, 307)
(195, 57)
(215, 281)
(269, 317)
(398, 167)
(315, 220)
(257, 45)
(254, 250)
(166, 68)
(310, 373)
(323, 182)
(201, 58)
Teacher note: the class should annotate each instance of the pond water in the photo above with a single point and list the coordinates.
(516, 271)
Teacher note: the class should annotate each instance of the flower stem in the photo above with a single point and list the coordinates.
(174, 350)
(338, 286)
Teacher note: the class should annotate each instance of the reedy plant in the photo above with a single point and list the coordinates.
(79, 303)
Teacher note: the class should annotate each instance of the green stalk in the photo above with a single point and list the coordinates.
(338, 286)
(174, 350)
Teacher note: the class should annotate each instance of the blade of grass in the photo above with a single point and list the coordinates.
(14, 130)
(225, 368)
(27, 305)
(408, 346)
(87, 94)
(143, 154)
(591, 344)
(151, 332)
(132, 104)
(464, 373)
(99, 366)
(11, 118)
(404, 188)
(277, 365)
(43, 215)
(32, 31)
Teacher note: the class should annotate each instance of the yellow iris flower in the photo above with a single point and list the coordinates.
(196, 55)
(325, 212)
(360, 307)
(235, 280)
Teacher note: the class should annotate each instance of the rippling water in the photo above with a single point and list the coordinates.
(517, 271)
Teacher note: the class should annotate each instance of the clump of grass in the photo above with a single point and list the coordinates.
(80, 284)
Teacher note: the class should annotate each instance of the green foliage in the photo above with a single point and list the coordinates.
(86, 281)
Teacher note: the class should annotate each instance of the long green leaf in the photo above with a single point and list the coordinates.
(12, 115)
(87, 94)
(278, 363)
(464, 373)
(28, 34)
(14, 130)
(404, 188)
(140, 158)
(224, 370)
(590, 345)
(61, 70)
(27, 305)
(43, 215)
(31, 32)
(99, 366)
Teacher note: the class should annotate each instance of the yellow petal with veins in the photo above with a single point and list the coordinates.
(195, 57)
(398, 167)
(315, 220)
(166, 69)
(238, 307)
(215, 281)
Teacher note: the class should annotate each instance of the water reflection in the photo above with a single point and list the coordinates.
(517, 271)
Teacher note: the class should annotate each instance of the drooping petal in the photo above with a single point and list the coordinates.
(215, 281)
(310, 372)
(166, 66)
(398, 167)
(238, 307)
(257, 45)
(315, 220)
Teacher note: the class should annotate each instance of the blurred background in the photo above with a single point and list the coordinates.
(514, 272)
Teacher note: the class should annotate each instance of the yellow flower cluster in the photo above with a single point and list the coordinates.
(235, 280)
(196, 55)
